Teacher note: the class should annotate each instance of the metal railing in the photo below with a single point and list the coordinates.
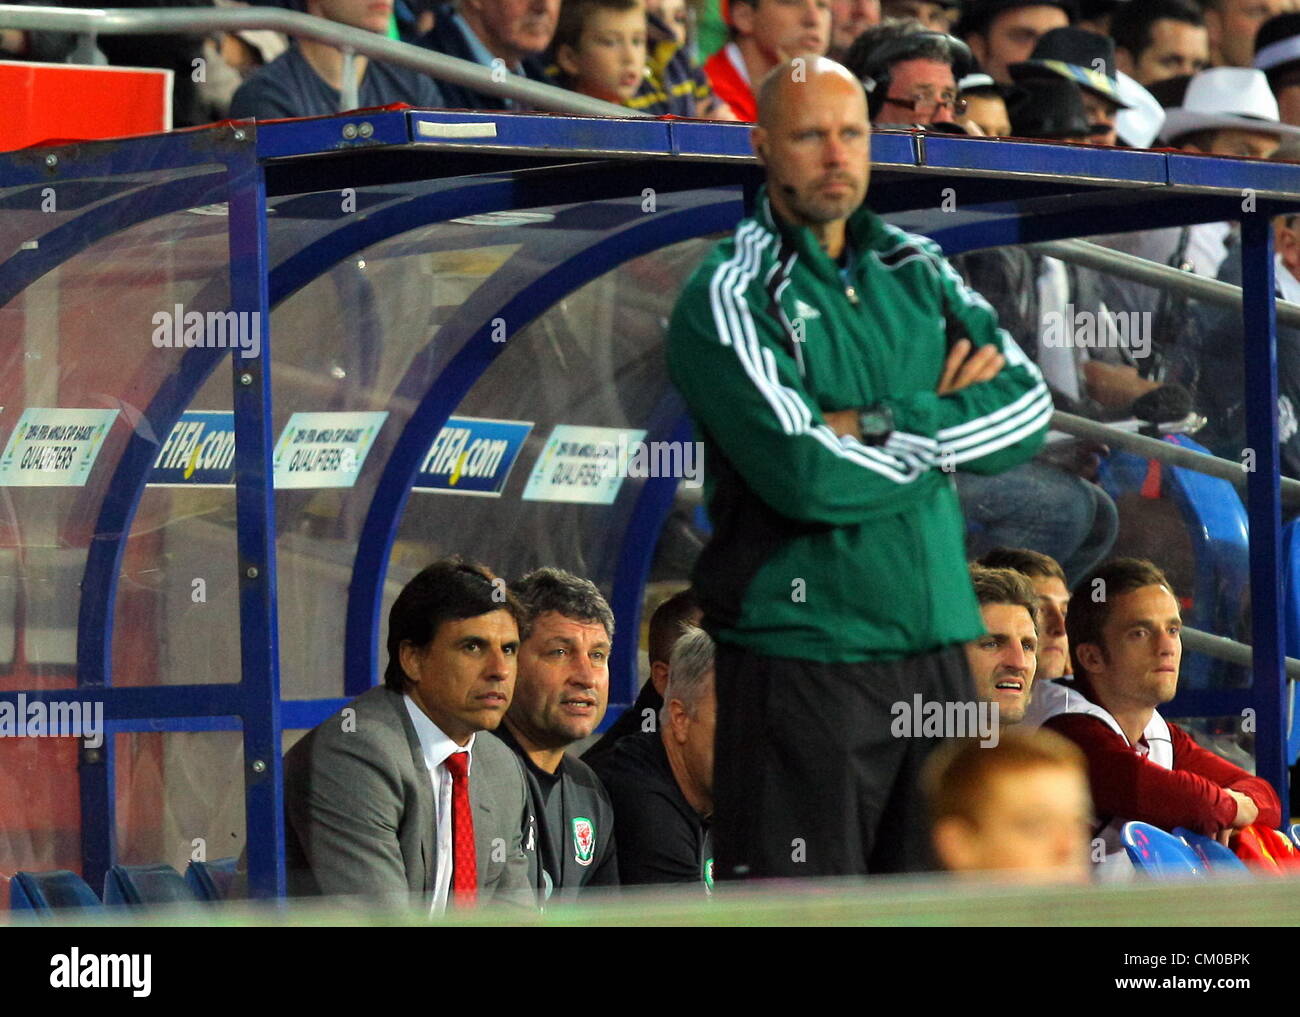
(1130, 266)
(351, 41)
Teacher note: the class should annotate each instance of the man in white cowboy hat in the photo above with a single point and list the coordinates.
(1226, 111)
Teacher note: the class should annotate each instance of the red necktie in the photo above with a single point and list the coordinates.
(464, 865)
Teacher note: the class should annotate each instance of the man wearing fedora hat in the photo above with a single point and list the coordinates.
(1226, 111)
(1087, 59)
(1004, 32)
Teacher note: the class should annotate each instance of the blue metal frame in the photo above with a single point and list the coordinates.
(259, 627)
(653, 504)
(1263, 489)
(989, 171)
(370, 568)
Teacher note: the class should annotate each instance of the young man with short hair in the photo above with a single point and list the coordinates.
(1003, 32)
(1160, 39)
(765, 33)
(1048, 580)
(1124, 627)
(1002, 661)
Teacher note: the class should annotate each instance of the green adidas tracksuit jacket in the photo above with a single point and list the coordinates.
(824, 548)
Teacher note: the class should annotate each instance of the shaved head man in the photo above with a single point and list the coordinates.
(814, 139)
(826, 441)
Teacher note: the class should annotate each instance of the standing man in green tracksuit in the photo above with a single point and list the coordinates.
(838, 372)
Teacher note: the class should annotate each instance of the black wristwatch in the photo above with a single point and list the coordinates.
(877, 424)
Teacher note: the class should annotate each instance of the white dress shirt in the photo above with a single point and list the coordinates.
(436, 747)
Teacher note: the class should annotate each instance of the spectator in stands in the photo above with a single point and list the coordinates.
(1224, 111)
(933, 15)
(307, 79)
(1096, 15)
(669, 622)
(823, 466)
(375, 796)
(1126, 649)
(986, 105)
(1003, 660)
(560, 698)
(1087, 59)
(910, 73)
(763, 34)
(675, 81)
(1222, 359)
(1159, 39)
(1232, 25)
(504, 35)
(661, 781)
(673, 16)
(1003, 32)
(1020, 808)
(600, 48)
(1048, 580)
(41, 47)
(1045, 505)
(849, 19)
(1277, 54)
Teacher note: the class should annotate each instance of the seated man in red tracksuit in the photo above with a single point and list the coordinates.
(1123, 626)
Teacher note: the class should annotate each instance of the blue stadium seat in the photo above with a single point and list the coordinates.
(49, 891)
(1217, 526)
(1159, 854)
(1295, 834)
(1217, 857)
(211, 880)
(135, 885)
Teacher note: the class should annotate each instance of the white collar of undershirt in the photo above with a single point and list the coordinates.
(434, 744)
(738, 61)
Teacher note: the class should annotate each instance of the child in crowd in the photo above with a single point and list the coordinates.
(617, 51)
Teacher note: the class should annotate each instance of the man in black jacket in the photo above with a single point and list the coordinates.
(507, 36)
(661, 782)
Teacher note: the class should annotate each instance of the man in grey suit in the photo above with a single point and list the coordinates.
(375, 799)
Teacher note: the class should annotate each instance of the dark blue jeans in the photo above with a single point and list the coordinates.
(1043, 508)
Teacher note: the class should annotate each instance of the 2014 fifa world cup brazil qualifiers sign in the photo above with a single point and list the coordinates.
(54, 447)
(324, 449)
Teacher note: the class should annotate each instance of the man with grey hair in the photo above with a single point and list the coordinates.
(561, 693)
(503, 35)
(661, 782)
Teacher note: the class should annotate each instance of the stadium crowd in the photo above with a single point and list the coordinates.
(854, 464)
